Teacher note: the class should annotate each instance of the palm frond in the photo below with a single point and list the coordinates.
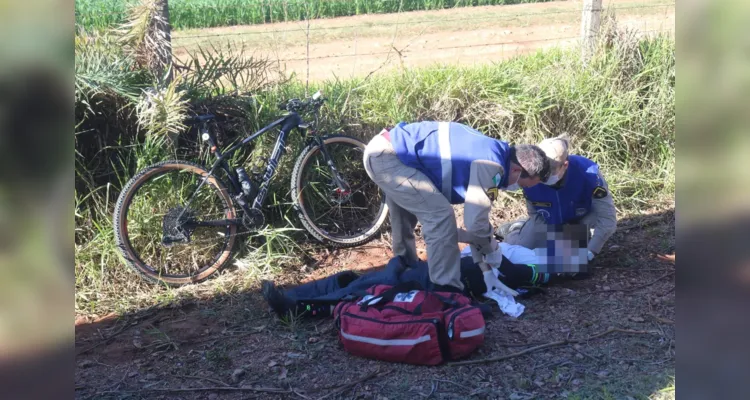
(161, 111)
(103, 72)
(226, 70)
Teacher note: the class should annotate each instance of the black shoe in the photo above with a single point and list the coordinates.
(280, 304)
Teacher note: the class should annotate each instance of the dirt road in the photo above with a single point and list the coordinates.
(356, 46)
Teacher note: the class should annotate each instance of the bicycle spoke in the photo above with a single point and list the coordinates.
(340, 214)
(164, 197)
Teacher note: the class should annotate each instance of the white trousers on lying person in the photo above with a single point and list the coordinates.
(412, 197)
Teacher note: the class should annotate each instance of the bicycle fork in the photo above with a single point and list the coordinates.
(340, 182)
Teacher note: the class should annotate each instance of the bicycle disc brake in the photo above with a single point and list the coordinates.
(341, 197)
(173, 230)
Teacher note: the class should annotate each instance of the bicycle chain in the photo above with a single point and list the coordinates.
(226, 237)
(245, 233)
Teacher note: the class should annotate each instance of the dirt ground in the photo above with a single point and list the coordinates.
(359, 45)
(231, 347)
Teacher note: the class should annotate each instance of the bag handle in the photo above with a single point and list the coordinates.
(391, 293)
(448, 301)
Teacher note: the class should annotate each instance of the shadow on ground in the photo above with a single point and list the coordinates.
(230, 347)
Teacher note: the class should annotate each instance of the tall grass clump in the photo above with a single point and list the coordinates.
(211, 13)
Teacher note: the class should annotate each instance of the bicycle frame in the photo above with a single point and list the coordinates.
(235, 187)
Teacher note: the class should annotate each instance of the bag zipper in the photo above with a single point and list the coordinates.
(399, 309)
(431, 320)
(453, 317)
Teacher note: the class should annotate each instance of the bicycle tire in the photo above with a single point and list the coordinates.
(121, 232)
(298, 200)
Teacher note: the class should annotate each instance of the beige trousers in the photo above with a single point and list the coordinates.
(412, 198)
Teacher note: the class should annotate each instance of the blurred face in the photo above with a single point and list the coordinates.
(528, 182)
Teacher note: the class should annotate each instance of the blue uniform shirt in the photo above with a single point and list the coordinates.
(571, 201)
(446, 157)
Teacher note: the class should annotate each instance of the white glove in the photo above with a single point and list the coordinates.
(492, 283)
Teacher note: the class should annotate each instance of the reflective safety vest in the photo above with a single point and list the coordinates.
(444, 152)
(572, 200)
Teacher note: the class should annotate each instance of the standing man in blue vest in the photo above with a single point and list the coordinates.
(425, 167)
(575, 193)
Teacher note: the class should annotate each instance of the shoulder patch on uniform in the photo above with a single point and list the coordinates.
(492, 193)
(600, 192)
(497, 178)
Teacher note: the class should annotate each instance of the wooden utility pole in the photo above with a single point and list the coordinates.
(590, 23)
(163, 29)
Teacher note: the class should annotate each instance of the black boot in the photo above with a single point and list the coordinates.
(283, 306)
(276, 299)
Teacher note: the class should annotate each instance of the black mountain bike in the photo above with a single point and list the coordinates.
(176, 221)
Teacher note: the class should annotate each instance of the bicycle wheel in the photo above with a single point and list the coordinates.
(330, 215)
(156, 229)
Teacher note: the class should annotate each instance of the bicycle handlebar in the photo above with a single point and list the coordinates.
(294, 105)
(198, 119)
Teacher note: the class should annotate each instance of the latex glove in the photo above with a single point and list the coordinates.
(591, 255)
(494, 284)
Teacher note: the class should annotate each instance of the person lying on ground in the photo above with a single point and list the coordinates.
(318, 298)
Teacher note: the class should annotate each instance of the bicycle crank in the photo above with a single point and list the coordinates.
(253, 220)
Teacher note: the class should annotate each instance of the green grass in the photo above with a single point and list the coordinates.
(211, 13)
(618, 109)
